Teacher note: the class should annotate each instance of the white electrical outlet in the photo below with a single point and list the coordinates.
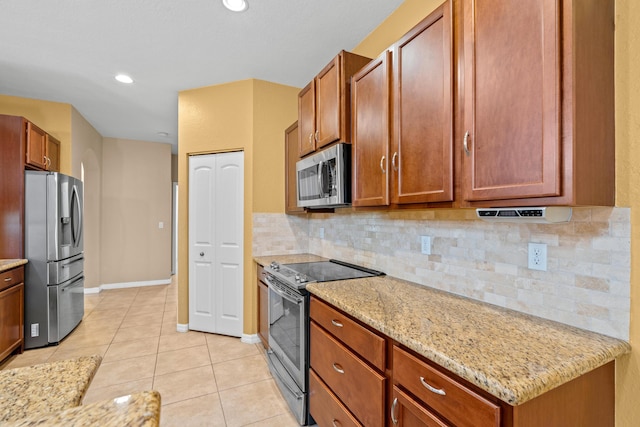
(425, 245)
(321, 232)
(538, 256)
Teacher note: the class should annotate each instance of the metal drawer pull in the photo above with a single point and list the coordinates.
(465, 143)
(381, 164)
(336, 324)
(393, 161)
(8, 279)
(335, 423)
(338, 368)
(394, 405)
(431, 388)
(317, 135)
(311, 138)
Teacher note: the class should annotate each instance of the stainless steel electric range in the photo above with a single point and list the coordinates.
(288, 355)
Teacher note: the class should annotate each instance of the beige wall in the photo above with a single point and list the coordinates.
(86, 162)
(248, 115)
(52, 117)
(136, 196)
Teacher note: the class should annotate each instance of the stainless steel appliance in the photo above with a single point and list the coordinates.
(288, 356)
(324, 179)
(54, 278)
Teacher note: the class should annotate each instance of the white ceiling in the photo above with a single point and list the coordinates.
(69, 51)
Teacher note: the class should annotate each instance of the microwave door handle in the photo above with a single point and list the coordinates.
(321, 192)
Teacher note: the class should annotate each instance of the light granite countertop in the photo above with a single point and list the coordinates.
(8, 264)
(45, 388)
(136, 410)
(513, 356)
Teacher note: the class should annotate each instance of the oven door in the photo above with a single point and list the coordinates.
(287, 329)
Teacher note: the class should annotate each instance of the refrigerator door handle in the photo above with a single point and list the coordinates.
(76, 228)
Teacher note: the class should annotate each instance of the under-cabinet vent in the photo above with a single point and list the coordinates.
(545, 215)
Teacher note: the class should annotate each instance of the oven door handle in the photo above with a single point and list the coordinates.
(278, 291)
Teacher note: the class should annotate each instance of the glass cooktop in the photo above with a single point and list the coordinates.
(326, 271)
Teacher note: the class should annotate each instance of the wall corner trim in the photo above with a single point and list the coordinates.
(182, 327)
(250, 338)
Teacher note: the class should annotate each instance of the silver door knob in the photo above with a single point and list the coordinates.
(201, 253)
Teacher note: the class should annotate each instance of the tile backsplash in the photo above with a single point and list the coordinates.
(587, 282)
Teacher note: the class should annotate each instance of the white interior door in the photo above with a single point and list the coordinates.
(216, 252)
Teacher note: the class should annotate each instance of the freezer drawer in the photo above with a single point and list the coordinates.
(66, 308)
(67, 269)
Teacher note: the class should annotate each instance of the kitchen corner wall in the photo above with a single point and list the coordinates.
(587, 283)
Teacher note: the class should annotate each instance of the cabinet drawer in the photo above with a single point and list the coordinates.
(325, 407)
(260, 273)
(408, 412)
(355, 383)
(452, 400)
(361, 340)
(11, 277)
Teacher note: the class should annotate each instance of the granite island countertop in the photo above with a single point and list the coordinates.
(140, 409)
(8, 264)
(511, 355)
(45, 388)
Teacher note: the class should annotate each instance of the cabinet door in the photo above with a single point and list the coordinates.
(11, 319)
(328, 103)
(53, 154)
(512, 99)
(306, 119)
(370, 91)
(422, 159)
(263, 313)
(408, 412)
(36, 146)
(291, 154)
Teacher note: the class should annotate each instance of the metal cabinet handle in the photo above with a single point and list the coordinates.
(335, 423)
(394, 405)
(393, 161)
(432, 389)
(317, 135)
(465, 143)
(382, 164)
(338, 368)
(8, 279)
(311, 138)
(336, 324)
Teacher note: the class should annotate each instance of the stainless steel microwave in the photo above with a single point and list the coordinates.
(324, 178)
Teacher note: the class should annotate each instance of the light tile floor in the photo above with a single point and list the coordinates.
(204, 379)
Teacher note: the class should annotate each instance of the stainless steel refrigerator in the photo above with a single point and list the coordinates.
(54, 275)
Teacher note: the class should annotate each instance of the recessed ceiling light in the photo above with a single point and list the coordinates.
(123, 78)
(235, 5)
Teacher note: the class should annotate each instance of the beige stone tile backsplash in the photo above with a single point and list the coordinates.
(586, 283)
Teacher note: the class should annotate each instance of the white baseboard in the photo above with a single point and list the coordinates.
(250, 339)
(182, 327)
(123, 285)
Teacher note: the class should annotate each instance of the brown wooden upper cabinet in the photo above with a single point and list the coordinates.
(36, 146)
(538, 124)
(42, 150)
(290, 181)
(406, 156)
(324, 105)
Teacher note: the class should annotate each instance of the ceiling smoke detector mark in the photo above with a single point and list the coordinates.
(538, 256)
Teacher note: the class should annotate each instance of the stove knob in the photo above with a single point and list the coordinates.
(297, 278)
(303, 279)
(274, 266)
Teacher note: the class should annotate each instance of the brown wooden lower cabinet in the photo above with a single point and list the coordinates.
(11, 312)
(263, 308)
(347, 389)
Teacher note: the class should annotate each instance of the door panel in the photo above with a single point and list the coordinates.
(512, 95)
(216, 233)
